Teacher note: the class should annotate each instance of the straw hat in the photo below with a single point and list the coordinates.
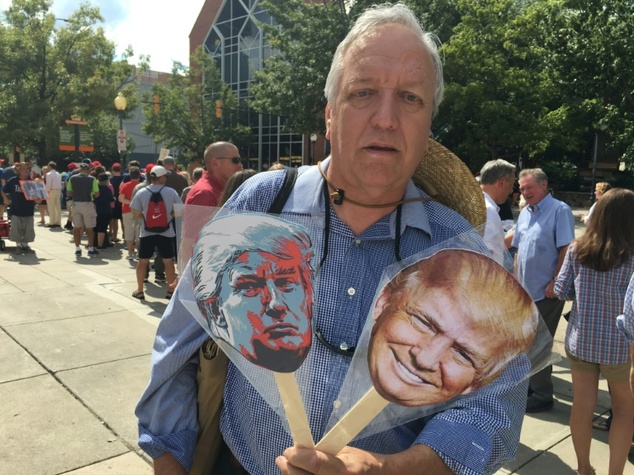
(447, 180)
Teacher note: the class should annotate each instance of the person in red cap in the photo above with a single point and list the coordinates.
(148, 169)
(96, 164)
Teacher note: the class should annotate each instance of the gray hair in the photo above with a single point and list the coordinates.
(536, 173)
(369, 21)
(198, 173)
(493, 170)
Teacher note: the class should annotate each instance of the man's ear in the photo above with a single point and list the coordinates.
(327, 115)
(381, 303)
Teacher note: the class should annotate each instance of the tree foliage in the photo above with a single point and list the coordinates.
(591, 57)
(186, 119)
(307, 34)
(526, 80)
(292, 83)
(53, 69)
(499, 103)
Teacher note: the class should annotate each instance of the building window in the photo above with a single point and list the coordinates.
(238, 46)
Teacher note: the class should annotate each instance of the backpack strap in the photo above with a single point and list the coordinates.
(285, 191)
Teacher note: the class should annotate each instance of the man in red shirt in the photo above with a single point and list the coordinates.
(130, 225)
(222, 160)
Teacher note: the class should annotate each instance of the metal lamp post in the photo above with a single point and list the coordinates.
(120, 103)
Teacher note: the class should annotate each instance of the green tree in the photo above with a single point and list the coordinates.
(291, 84)
(500, 103)
(591, 59)
(50, 72)
(306, 35)
(186, 117)
(526, 80)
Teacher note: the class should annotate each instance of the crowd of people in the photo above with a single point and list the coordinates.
(384, 86)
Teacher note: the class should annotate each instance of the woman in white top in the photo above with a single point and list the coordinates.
(599, 191)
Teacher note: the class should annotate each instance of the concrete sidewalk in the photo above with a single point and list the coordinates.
(75, 348)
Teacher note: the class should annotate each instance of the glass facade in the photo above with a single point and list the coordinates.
(238, 46)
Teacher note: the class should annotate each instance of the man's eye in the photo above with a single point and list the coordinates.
(462, 357)
(421, 324)
(248, 288)
(411, 98)
(286, 285)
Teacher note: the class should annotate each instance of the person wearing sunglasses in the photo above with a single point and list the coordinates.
(384, 86)
(222, 160)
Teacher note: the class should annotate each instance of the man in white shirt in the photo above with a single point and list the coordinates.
(497, 178)
(54, 189)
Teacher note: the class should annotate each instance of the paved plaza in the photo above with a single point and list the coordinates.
(75, 357)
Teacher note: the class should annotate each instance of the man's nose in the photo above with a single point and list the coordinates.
(386, 113)
(275, 305)
(428, 357)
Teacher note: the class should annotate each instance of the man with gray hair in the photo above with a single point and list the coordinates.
(383, 88)
(497, 178)
(174, 179)
(544, 230)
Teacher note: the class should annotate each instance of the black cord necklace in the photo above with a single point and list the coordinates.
(343, 349)
(338, 196)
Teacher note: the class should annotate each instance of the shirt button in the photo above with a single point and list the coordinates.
(351, 291)
(344, 346)
(357, 241)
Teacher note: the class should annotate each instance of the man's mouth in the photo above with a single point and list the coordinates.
(382, 148)
(408, 374)
(281, 329)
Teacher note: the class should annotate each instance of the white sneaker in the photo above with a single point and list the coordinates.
(130, 257)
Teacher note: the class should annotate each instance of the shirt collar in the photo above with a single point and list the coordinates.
(543, 205)
(311, 199)
(215, 183)
(490, 200)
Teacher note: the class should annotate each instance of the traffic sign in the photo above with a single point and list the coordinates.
(122, 141)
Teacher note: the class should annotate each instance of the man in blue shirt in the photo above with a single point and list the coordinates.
(544, 230)
(384, 86)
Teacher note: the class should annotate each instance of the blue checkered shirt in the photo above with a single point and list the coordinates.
(476, 437)
(597, 299)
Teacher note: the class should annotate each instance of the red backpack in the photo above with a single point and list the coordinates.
(156, 219)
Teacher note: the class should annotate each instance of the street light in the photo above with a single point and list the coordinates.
(120, 104)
